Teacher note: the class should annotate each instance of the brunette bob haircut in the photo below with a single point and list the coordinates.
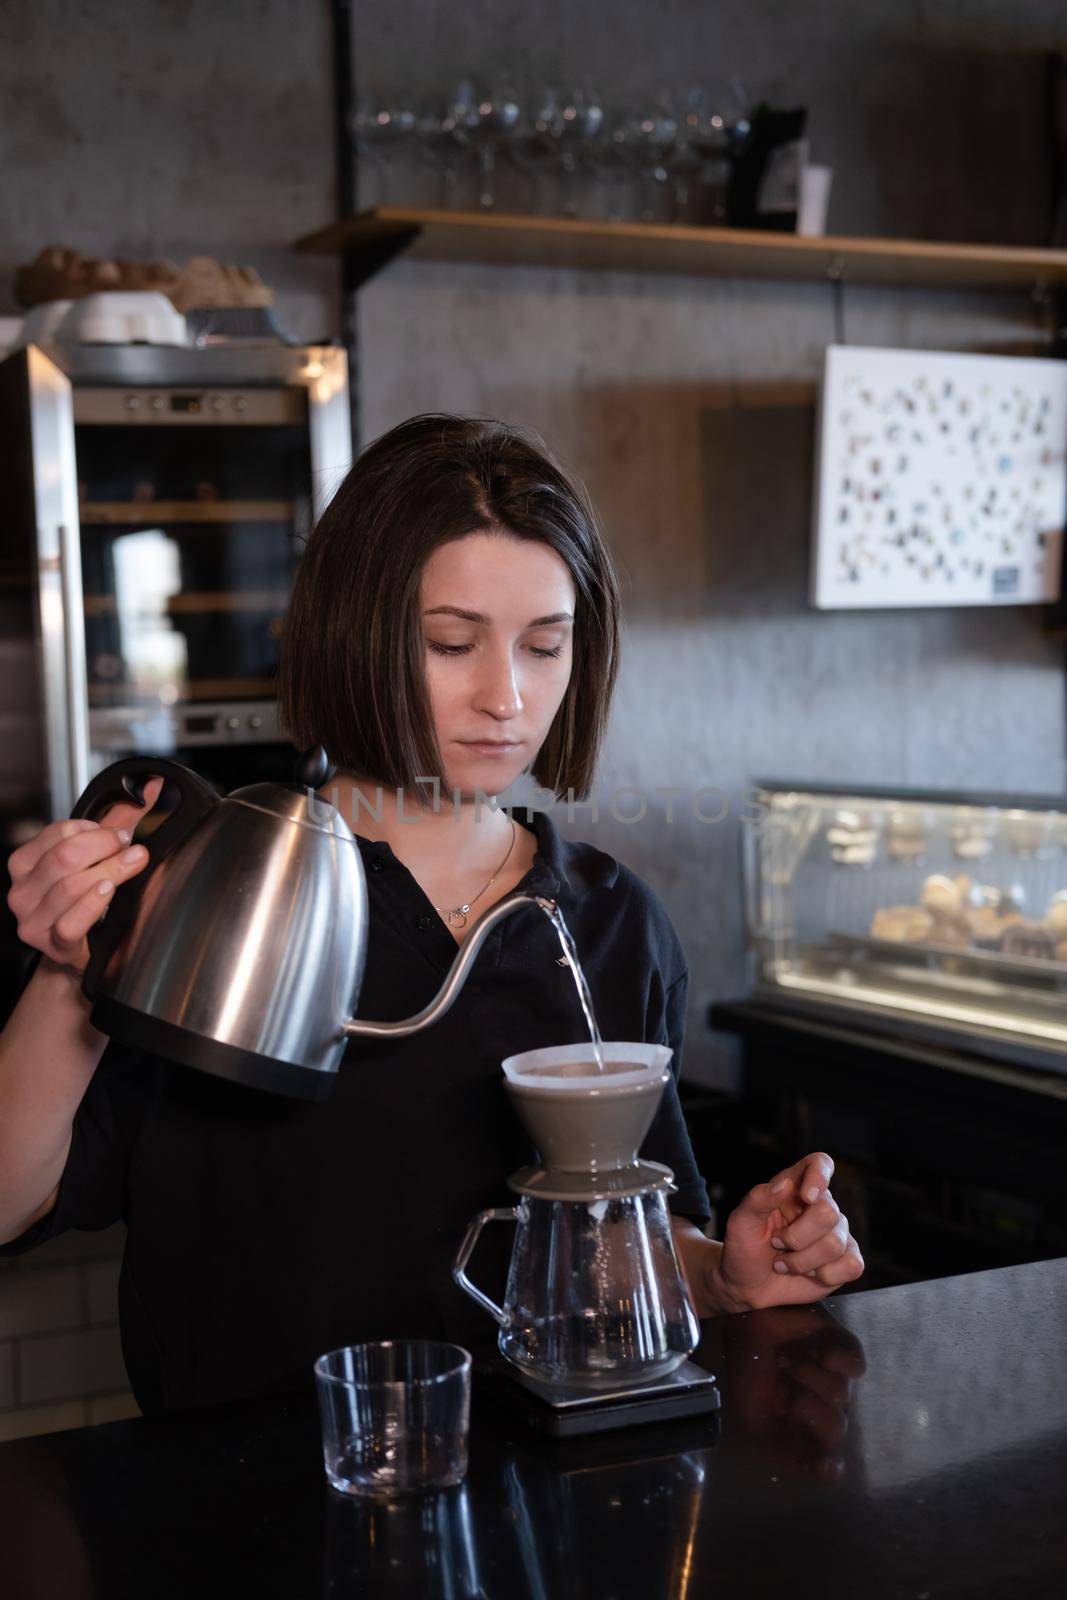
(352, 663)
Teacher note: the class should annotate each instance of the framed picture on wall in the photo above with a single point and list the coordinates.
(940, 479)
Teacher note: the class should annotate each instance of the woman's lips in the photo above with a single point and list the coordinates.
(489, 749)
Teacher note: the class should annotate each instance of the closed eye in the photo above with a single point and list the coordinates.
(464, 649)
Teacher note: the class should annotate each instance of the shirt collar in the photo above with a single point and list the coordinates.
(575, 866)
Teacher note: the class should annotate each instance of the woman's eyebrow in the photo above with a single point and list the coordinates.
(479, 616)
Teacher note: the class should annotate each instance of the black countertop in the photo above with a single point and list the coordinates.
(909, 1442)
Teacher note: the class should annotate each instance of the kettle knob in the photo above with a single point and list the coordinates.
(313, 768)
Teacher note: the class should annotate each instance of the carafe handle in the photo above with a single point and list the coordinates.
(466, 1250)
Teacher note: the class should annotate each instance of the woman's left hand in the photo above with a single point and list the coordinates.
(787, 1243)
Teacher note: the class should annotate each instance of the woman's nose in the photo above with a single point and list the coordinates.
(498, 688)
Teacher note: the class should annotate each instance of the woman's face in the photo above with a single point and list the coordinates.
(497, 620)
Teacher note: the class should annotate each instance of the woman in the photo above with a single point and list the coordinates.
(454, 624)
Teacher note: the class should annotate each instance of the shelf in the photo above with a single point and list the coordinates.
(274, 600)
(103, 605)
(101, 696)
(373, 238)
(148, 513)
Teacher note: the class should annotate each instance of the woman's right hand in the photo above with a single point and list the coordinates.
(63, 878)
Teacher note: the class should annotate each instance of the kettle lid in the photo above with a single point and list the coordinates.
(293, 804)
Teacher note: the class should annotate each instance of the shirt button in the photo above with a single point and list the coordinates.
(426, 923)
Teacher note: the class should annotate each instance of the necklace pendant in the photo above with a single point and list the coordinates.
(458, 917)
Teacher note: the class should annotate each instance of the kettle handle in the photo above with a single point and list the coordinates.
(125, 780)
(466, 1250)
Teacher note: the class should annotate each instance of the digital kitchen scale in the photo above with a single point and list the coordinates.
(564, 1411)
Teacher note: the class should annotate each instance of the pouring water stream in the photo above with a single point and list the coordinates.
(558, 921)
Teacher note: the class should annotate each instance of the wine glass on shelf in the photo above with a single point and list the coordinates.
(581, 118)
(381, 124)
(534, 146)
(493, 119)
(614, 155)
(716, 125)
(682, 160)
(444, 138)
(651, 130)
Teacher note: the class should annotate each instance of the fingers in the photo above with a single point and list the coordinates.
(818, 1239)
(58, 924)
(65, 845)
(21, 862)
(830, 1247)
(803, 1181)
(63, 850)
(72, 889)
(813, 1223)
(126, 813)
(69, 930)
(71, 856)
(831, 1263)
(815, 1176)
(846, 1269)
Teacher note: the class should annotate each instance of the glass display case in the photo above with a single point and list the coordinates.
(942, 912)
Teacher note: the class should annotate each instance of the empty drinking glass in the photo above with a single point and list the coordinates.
(394, 1416)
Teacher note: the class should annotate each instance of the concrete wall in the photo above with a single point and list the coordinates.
(161, 129)
(686, 405)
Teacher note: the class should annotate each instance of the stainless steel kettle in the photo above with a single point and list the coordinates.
(239, 948)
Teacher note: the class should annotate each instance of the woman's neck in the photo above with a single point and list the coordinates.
(457, 838)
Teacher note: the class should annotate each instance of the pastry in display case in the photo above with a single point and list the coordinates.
(947, 912)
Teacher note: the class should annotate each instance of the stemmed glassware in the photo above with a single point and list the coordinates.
(666, 158)
(381, 123)
(712, 127)
(493, 119)
(580, 120)
(650, 131)
(444, 138)
(534, 146)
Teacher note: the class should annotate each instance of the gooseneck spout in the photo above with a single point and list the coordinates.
(456, 976)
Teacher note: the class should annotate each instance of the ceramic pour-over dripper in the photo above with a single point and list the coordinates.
(595, 1294)
(588, 1126)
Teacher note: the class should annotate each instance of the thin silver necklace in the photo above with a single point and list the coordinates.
(457, 917)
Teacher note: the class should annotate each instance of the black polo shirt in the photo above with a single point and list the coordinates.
(263, 1231)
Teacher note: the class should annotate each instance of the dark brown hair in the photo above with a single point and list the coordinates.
(352, 667)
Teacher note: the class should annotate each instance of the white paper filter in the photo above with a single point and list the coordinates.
(647, 1060)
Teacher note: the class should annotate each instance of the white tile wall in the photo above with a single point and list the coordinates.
(37, 1302)
(102, 1287)
(69, 1366)
(61, 1361)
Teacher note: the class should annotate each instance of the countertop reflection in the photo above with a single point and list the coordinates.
(907, 1442)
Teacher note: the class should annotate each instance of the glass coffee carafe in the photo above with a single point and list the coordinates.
(595, 1294)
